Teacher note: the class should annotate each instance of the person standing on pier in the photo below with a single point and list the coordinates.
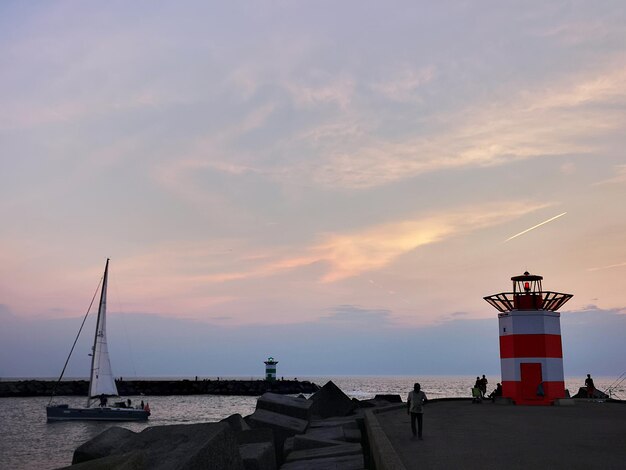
(591, 388)
(415, 407)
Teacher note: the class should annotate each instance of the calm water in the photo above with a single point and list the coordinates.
(27, 441)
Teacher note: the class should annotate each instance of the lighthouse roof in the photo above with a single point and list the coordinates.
(527, 277)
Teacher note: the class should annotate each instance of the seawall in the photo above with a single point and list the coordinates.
(37, 388)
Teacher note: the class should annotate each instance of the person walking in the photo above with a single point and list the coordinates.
(415, 407)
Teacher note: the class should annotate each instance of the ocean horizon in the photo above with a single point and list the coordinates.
(27, 441)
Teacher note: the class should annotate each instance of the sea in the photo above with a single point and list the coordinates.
(27, 441)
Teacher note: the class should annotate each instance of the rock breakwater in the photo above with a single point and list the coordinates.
(37, 388)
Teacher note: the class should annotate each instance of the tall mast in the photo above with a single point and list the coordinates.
(101, 307)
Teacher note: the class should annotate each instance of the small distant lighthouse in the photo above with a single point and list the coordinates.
(270, 369)
(531, 356)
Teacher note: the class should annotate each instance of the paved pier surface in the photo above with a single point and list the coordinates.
(460, 434)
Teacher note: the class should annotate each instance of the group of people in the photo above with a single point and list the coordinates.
(127, 404)
(481, 384)
(417, 399)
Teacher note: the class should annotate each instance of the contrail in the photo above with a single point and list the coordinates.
(618, 265)
(533, 228)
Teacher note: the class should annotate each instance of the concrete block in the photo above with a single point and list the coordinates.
(348, 462)
(236, 422)
(285, 405)
(104, 444)
(258, 456)
(345, 422)
(282, 426)
(183, 446)
(304, 441)
(389, 398)
(279, 422)
(125, 461)
(331, 401)
(252, 436)
(322, 452)
(334, 433)
(287, 447)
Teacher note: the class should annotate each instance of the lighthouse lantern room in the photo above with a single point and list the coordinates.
(531, 355)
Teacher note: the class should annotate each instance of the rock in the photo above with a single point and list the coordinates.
(389, 398)
(183, 446)
(597, 394)
(104, 444)
(125, 461)
(334, 451)
(288, 447)
(285, 405)
(349, 462)
(305, 441)
(236, 422)
(252, 436)
(331, 401)
(282, 426)
(350, 422)
(258, 456)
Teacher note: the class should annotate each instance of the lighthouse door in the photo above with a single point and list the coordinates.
(531, 378)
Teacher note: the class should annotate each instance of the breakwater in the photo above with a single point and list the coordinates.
(38, 388)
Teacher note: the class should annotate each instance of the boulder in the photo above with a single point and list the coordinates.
(104, 444)
(183, 446)
(331, 401)
(258, 456)
(285, 405)
(348, 462)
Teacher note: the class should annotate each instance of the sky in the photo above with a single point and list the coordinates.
(336, 184)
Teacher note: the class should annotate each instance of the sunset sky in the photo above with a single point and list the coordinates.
(291, 166)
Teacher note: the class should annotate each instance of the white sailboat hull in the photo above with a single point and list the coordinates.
(65, 413)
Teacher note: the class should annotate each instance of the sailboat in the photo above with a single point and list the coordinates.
(101, 381)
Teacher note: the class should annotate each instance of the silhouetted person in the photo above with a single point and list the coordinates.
(103, 400)
(483, 386)
(142, 405)
(479, 385)
(415, 407)
(128, 403)
(591, 388)
(497, 392)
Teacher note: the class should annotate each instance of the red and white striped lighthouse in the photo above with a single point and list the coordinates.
(531, 356)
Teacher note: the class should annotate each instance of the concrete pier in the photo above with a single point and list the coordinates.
(460, 434)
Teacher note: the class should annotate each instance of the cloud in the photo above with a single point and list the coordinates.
(619, 178)
(560, 120)
(358, 316)
(592, 343)
(349, 254)
(404, 85)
